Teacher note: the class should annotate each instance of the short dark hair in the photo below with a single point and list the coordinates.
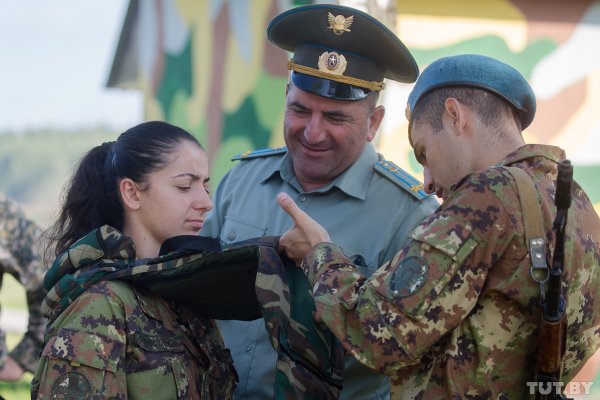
(490, 108)
(91, 198)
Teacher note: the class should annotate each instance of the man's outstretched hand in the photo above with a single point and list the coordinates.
(305, 233)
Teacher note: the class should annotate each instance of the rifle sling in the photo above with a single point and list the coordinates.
(533, 223)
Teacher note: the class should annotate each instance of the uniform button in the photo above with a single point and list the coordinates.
(303, 198)
(247, 347)
(231, 236)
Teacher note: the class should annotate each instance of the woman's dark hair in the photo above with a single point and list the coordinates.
(91, 197)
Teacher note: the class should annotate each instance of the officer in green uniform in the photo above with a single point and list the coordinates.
(456, 313)
(340, 59)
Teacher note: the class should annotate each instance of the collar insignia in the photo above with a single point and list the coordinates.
(332, 62)
(339, 24)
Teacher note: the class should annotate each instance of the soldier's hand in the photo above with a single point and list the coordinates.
(305, 233)
(11, 372)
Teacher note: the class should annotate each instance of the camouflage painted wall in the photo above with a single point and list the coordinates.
(206, 65)
(552, 43)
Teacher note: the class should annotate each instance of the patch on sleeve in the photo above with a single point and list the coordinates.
(259, 153)
(409, 276)
(401, 178)
(71, 385)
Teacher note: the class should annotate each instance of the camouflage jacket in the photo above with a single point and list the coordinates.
(108, 339)
(455, 314)
(21, 256)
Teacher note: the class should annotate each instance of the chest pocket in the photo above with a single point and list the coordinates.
(236, 229)
(164, 375)
(156, 358)
(429, 267)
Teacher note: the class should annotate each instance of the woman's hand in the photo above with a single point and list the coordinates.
(305, 233)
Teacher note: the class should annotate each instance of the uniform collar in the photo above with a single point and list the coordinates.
(532, 154)
(354, 181)
(552, 153)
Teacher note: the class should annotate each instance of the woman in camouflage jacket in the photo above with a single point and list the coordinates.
(109, 339)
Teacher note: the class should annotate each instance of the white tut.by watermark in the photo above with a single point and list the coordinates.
(558, 387)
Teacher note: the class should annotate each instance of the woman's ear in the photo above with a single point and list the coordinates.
(130, 194)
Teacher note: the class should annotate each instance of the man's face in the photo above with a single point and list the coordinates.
(441, 155)
(325, 136)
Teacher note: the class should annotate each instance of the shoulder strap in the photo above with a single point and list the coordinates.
(530, 206)
(533, 221)
(248, 155)
(401, 178)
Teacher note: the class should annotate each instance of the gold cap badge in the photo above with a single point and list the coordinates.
(332, 62)
(339, 24)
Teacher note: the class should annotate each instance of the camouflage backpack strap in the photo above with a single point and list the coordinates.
(534, 232)
(248, 155)
(401, 178)
(310, 360)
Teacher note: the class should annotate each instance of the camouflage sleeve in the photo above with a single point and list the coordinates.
(391, 319)
(85, 352)
(21, 240)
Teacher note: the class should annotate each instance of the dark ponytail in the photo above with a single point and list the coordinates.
(92, 199)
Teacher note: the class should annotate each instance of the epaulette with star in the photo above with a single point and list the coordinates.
(259, 153)
(401, 178)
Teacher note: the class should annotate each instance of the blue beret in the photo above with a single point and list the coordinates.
(477, 71)
(340, 52)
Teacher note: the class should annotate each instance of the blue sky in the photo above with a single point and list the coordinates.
(55, 57)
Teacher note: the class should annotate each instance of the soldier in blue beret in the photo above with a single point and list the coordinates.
(340, 58)
(456, 313)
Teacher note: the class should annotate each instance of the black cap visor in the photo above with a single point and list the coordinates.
(328, 88)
